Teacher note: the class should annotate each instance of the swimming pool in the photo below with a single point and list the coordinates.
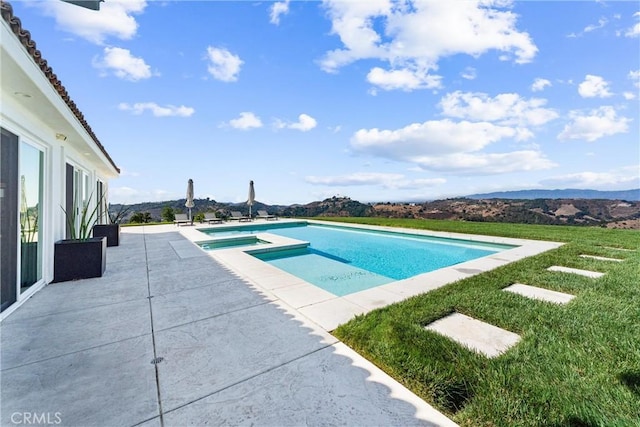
(343, 260)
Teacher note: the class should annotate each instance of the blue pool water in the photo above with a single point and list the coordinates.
(345, 260)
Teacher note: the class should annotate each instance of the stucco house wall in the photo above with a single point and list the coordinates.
(38, 114)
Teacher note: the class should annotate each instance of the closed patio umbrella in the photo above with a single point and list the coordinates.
(252, 197)
(189, 203)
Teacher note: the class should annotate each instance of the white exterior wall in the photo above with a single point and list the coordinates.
(37, 120)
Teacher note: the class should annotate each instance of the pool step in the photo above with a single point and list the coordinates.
(601, 258)
(586, 273)
(541, 294)
(474, 334)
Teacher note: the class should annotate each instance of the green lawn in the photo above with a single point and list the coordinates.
(576, 365)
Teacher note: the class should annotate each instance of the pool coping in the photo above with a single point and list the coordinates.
(328, 310)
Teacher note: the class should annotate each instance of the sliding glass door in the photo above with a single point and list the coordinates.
(21, 210)
(31, 205)
(9, 222)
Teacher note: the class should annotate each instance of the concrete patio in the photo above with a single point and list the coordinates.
(168, 336)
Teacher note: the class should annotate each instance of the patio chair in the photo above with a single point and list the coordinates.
(211, 218)
(237, 216)
(264, 215)
(181, 219)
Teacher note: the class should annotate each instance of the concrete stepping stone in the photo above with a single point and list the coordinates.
(541, 294)
(586, 273)
(619, 249)
(475, 334)
(601, 258)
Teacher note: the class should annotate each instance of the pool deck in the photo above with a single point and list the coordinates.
(172, 335)
(328, 310)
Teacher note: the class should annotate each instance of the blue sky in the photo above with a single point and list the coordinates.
(378, 100)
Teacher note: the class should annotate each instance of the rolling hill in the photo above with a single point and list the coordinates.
(619, 213)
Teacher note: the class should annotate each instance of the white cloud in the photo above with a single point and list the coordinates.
(277, 9)
(601, 23)
(355, 179)
(539, 84)
(487, 163)
(416, 184)
(594, 86)
(598, 123)
(115, 19)
(404, 79)
(123, 64)
(622, 178)
(223, 65)
(469, 73)
(629, 96)
(635, 30)
(431, 138)
(635, 77)
(413, 36)
(126, 172)
(505, 108)
(305, 123)
(157, 110)
(448, 146)
(385, 180)
(246, 121)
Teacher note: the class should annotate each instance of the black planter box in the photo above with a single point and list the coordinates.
(79, 259)
(110, 231)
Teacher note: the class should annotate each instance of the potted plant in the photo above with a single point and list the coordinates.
(81, 256)
(111, 230)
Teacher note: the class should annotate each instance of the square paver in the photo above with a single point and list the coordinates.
(541, 294)
(619, 249)
(374, 298)
(332, 313)
(179, 308)
(28, 340)
(110, 385)
(475, 334)
(601, 258)
(585, 273)
(204, 357)
(302, 295)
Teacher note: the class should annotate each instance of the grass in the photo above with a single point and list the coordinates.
(576, 365)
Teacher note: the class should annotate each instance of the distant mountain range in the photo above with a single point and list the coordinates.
(612, 209)
(629, 195)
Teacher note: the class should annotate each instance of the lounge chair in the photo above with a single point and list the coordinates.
(181, 219)
(211, 218)
(237, 216)
(264, 215)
